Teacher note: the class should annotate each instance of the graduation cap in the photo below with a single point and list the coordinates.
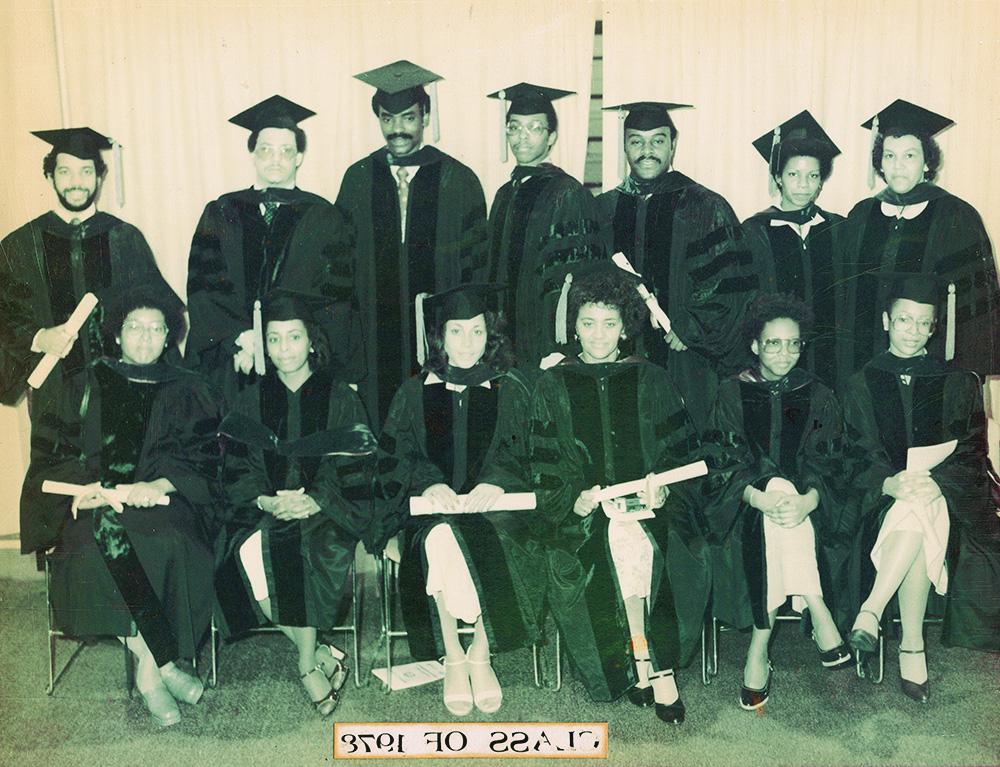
(347, 440)
(526, 99)
(283, 304)
(922, 289)
(800, 128)
(902, 118)
(273, 112)
(86, 144)
(461, 303)
(585, 270)
(642, 115)
(401, 85)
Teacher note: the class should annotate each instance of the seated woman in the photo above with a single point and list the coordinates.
(774, 451)
(297, 479)
(122, 564)
(460, 428)
(923, 523)
(629, 596)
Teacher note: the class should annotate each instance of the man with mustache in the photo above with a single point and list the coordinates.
(915, 226)
(47, 265)
(684, 240)
(420, 216)
(272, 235)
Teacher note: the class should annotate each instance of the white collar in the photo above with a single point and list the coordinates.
(80, 216)
(433, 378)
(908, 212)
(802, 230)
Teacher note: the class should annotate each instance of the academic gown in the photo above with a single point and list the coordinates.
(237, 258)
(433, 435)
(444, 247)
(43, 276)
(602, 424)
(306, 561)
(946, 239)
(787, 263)
(759, 430)
(147, 568)
(893, 404)
(542, 223)
(684, 240)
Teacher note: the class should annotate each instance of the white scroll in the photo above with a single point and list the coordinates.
(656, 313)
(119, 494)
(681, 473)
(72, 326)
(506, 502)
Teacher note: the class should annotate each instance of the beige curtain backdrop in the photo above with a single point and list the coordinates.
(163, 76)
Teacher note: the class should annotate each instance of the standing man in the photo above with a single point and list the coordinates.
(272, 235)
(47, 266)
(915, 226)
(542, 222)
(421, 225)
(684, 239)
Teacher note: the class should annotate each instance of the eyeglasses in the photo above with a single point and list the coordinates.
(534, 128)
(906, 323)
(156, 329)
(266, 152)
(790, 345)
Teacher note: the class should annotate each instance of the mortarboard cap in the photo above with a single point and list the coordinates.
(273, 112)
(85, 143)
(646, 115)
(921, 288)
(526, 99)
(282, 304)
(800, 128)
(902, 117)
(460, 303)
(398, 85)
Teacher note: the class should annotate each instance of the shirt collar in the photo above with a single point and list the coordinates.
(434, 378)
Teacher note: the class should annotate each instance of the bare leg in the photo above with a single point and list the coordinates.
(755, 671)
(304, 639)
(147, 673)
(899, 552)
(912, 607)
(457, 685)
(824, 629)
(635, 612)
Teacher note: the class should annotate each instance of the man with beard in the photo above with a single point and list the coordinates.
(915, 226)
(272, 235)
(542, 222)
(684, 240)
(421, 224)
(50, 263)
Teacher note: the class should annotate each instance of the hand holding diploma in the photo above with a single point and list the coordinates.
(93, 496)
(57, 341)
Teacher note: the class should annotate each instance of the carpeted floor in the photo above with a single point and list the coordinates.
(258, 715)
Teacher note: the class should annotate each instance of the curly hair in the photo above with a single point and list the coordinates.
(804, 147)
(614, 291)
(498, 355)
(932, 152)
(49, 163)
(319, 353)
(118, 309)
(772, 306)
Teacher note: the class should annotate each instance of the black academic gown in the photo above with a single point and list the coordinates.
(599, 425)
(237, 258)
(148, 568)
(894, 404)
(542, 223)
(46, 267)
(438, 435)
(787, 263)
(684, 240)
(792, 429)
(443, 247)
(947, 239)
(307, 561)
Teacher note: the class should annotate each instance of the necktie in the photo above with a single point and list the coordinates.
(404, 194)
(79, 280)
(270, 208)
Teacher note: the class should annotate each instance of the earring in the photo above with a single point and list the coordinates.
(624, 337)
(311, 350)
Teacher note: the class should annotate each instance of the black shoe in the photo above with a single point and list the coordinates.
(863, 642)
(838, 657)
(672, 713)
(918, 692)
(751, 699)
(641, 696)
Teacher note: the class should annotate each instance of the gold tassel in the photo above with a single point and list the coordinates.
(258, 339)
(503, 126)
(622, 156)
(949, 330)
(419, 329)
(116, 157)
(871, 148)
(435, 119)
(561, 309)
(772, 186)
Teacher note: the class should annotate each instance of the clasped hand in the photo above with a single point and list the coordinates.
(480, 498)
(55, 340)
(915, 486)
(784, 509)
(287, 505)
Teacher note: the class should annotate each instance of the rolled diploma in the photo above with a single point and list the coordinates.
(68, 488)
(506, 502)
(73, 325)
(655, 310)
(681, 473)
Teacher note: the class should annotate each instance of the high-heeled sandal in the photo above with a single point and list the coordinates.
(752, 699)
(487, 693)
(864, 644)
(326, 704)
(182, 685)
(335, 669)
(669, 713)
(458, 702)
(918, 692)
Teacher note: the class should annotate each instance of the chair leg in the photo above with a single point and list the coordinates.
(129, 671)
(558, 661)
